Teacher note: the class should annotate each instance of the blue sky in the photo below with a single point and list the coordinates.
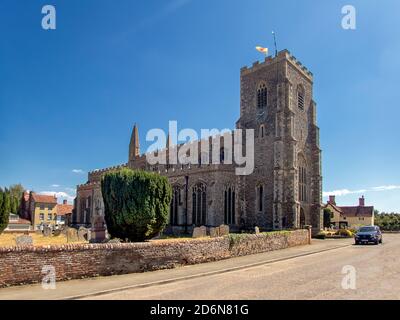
(69, 97)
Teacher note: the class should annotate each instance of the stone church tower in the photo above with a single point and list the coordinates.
(276, 101)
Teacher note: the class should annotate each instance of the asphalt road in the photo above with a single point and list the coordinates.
(316, 276)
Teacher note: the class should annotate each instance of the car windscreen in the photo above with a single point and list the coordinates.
(366, 229)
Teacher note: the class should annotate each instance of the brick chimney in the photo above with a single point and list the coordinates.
(332, 200)
(361, 201)
(64, 201)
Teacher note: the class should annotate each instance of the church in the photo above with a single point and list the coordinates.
(284, 190)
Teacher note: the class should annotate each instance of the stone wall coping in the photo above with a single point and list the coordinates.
(133, 245)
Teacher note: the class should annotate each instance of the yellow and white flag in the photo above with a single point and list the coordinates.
(262, 50)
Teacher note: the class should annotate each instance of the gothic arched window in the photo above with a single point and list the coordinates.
(175, 203)
(300, 97)
(229, 205)
(199, 204)
(262, 96)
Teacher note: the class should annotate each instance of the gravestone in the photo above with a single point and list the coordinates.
(199, 232)
(223, 230)
(72, 235)
(24, 240)
(47, 231)
(98, 231)
(214, 232)
(83, 234)
(256, 230)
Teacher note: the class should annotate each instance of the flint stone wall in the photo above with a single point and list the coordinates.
(23, 265)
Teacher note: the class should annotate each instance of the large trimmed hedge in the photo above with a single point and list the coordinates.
(136, 203)
(5, 207)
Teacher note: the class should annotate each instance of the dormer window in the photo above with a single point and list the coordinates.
(262, 95)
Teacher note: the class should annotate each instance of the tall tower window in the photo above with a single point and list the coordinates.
(262, 95)
(261, 133)
(300, 97)
(302, 184)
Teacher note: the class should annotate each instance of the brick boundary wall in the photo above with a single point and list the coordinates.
(23, 265)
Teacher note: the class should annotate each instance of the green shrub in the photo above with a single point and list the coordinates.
(136, 203)
(4, 209)
(345, 233)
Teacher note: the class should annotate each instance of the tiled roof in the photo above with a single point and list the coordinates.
(334, 206)
(357, 211)
(63, 209)
(40, 198)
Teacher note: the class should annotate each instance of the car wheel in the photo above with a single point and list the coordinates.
(376, 242)
(356, 243)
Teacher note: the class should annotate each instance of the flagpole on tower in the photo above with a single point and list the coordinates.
(276, 49)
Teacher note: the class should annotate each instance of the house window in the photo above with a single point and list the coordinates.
(300, 97)
(229, 206)
(41, 216)
(262, 96)
(49, 217)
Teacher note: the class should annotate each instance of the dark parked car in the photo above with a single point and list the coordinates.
(368, 234)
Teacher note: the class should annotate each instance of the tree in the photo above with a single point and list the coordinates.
(7, 202)
(4, 212)
(388, 221)
(136, 203)
(17, 190)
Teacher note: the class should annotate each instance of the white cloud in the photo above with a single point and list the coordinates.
(343, 192)
(55, 185)
(385, 188)
(78, 171)
(60, 195)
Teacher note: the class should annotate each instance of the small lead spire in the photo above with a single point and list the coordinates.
(134, 146)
